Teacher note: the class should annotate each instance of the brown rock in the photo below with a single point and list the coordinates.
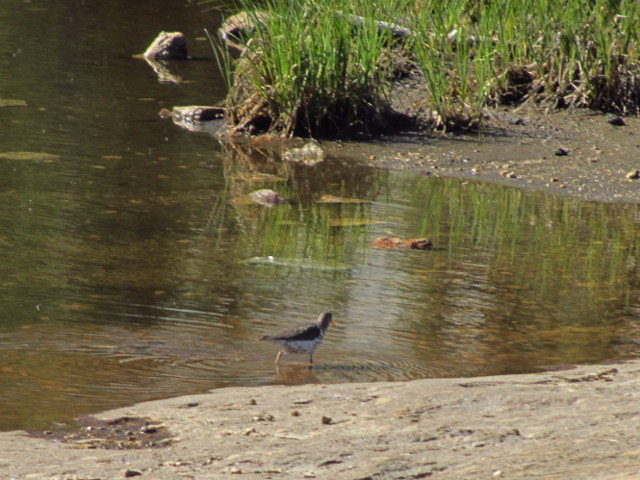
(400, 243)
(168, 46)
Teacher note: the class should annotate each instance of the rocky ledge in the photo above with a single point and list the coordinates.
(581, 422)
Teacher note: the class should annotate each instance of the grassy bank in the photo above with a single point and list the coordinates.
(331, 68)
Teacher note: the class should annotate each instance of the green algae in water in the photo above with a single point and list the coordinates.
(32, 156)
(12, 102)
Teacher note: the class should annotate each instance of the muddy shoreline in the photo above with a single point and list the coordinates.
(578, 153)
(580, 422)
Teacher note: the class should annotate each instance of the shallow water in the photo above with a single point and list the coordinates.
(125, 267)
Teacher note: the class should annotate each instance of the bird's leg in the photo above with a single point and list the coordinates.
(278, 358)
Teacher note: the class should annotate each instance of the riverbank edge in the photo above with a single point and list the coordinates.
(575, 153)
(580, 422)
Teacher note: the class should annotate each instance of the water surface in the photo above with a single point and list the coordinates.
(125, 270)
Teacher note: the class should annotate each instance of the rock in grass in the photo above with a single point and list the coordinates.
(238, 29)
(633, 175)
(168, 46)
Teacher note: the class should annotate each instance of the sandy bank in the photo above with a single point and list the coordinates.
(576, 423)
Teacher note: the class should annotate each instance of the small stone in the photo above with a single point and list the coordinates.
(617, 121)
(633, 175)
(372, 157)
(295, 413)
(253, 402)
(554, 179)
(326, 420)
(131, 473)
(264, 418)
(561, 152)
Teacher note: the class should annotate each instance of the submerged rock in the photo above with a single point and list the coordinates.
(195, 117)
(168, 46)
(266, 197)
(311, 154)
(400, 243)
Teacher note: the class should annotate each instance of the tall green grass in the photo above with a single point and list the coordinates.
(312, 71)
(308, 71)
(572, 52)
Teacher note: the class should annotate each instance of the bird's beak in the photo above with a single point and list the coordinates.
(333, 323)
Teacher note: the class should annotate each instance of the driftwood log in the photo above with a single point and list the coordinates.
(238, 29)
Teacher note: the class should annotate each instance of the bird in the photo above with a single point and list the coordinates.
(302, 340)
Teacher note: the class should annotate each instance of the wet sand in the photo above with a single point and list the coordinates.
(570, 424)
(577, 153)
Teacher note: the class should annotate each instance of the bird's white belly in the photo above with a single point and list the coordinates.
(300, 346)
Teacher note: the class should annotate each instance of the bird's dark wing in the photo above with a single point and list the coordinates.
(305, 333)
